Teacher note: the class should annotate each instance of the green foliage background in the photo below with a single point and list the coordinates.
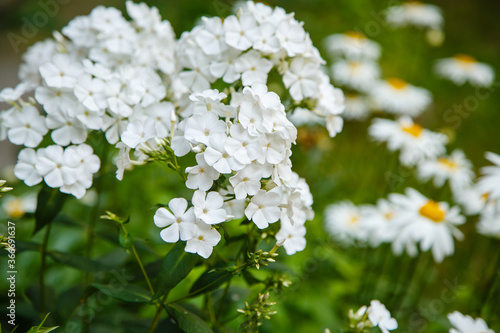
(328, 279)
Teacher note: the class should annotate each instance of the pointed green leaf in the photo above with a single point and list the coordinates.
(187, 321)
(79, 262)
(40, 329)
(175, 267)
(208, 281)
(130, 293)
(49, 203)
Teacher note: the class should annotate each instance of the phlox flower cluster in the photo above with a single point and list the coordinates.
(374, 315)
(102, 73)
(244, 146)
(144, 89)
(246, 47)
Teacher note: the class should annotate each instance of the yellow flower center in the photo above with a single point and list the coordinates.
(354, 219)
(485, 196)
(389, 215)
(432, 211)
(414, 3)
(414, 129)
(448, 163)
(14, 208)
(354, 65)
(355, 34)
(397, 83)
(465, 59)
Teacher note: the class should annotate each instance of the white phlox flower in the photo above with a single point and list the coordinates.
(381, 317)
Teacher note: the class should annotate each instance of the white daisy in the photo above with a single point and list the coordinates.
(399, 97)
(464, 68)
(490, 181)
(351, 45)
(379, 221)
(415, 13)
(426, 222)
(344, 221)
(355, 74)
(456, 168)
(489, 221)
(357, 107)
(475, 200)
(414, 142)
(17, 207)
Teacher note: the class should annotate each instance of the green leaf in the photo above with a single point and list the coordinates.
(187, 321)
(125, 239)
(49, 203)
(175, 267)
(40, 329)
(130, 293)
(79, 262)
(208, 281)
(250, 279)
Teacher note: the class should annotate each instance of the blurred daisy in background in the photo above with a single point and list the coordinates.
(464, 68)
(466, 324)
(490, 181)
(416, 14)
(379, 222)
(351, 45)
(428, 223)
(474, 200)
(414, 142)
(489, 221)
(357, 107)
(355, 74)
(397, 96)
(17, 206)
(344, 221)
(455, 168)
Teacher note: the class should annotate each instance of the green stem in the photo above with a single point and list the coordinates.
(156, 318)
(95, 210)
(43, 254)
(210, 306)
(148, 281)
(491, 282)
